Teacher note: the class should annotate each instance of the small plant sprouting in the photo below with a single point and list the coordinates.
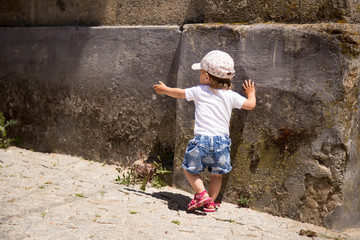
(79, 195)
(127, 178)
(4, 140)
(177, 222)
(133, 212)
(157, 181)
(134, 175)
(243, 202)
(96, 217)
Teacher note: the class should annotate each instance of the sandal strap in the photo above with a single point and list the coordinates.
(200, 196)
(203, 192)
(215, 204)
(199, 200)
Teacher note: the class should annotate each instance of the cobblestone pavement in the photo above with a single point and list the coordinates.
(53, 196)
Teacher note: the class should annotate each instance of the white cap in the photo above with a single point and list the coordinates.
(218, 64)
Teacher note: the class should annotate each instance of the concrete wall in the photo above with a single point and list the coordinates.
(88, 92)
(297, 153)
(157, 12)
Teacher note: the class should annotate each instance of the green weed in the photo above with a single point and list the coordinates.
(243, 202)
(177, 222)
(5, 142)
(96, 217)
(132, 176)
(157, 182)
(127, 178)
(156, 179)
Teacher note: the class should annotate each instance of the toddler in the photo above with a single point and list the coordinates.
(214, 100)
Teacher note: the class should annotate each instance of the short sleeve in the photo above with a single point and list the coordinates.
(238, 100)
(190, 93)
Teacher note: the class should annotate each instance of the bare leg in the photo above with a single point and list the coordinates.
(195, 181)
(214, 186)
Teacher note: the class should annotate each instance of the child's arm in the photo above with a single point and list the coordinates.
(161, 88)
(249, 90)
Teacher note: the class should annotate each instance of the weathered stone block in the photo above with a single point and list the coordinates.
(292, 154)
(157, 12)
(88, 91)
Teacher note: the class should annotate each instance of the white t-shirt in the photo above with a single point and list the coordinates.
(213, 109)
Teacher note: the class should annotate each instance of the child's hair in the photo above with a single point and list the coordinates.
(220, 83)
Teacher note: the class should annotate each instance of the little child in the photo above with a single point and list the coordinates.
(214, 100)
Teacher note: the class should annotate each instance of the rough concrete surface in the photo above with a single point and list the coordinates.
(295, 153)
(53, 196)
(88, 91)
(179, 12)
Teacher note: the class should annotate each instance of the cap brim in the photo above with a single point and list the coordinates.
(196, 66)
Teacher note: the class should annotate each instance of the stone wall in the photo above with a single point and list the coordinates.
(297, 153)
(157, 12)
(88, 91)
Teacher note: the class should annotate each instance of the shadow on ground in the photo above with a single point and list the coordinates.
(175, 201)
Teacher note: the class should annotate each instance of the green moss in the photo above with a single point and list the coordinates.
(261, 168)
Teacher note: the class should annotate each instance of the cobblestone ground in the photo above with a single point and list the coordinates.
(53, 196)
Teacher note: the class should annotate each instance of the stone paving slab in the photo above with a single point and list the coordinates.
(53, 196)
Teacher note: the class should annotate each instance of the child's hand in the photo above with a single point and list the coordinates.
(160, 88)
(249, 90)
(249, 87)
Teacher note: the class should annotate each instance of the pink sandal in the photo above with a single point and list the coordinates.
(213, 204)
(198, 201)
